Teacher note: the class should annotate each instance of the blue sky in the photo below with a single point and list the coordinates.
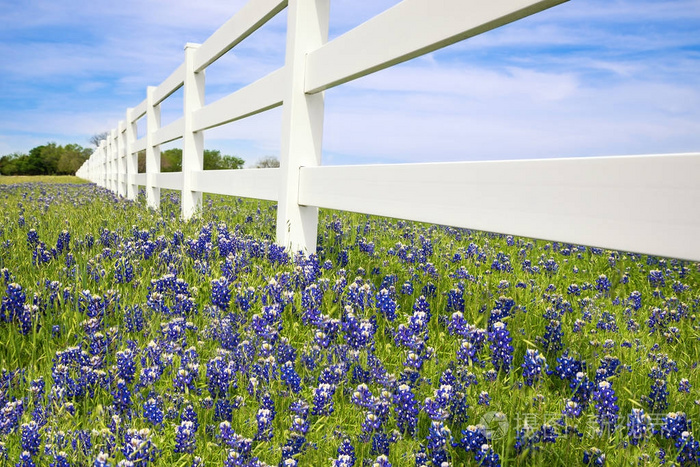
(585, 78)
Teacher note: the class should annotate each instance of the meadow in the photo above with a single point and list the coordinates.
(130, 337)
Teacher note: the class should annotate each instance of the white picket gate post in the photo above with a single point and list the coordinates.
(302, 124)
(192, 141)
(131, 158)
(152, 152)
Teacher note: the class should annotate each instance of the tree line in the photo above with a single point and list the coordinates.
(47, 159)
(53, 159)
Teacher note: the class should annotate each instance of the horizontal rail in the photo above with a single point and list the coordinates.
(645, 204)
(408, 30)
(248, 19)
(138, 111)
(264, 94)
(170, 132)
(139, 145)
(168, 180)
(136, 179)
(247, 183)
(171, 84)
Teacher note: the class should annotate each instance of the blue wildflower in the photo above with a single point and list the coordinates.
(606, 407)
(501, 350)
(185, 441)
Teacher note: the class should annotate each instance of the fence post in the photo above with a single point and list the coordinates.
(192, 141)
(302, 124)
(103, 164)
(152, 152)
(131, 162)
(121, 172)
(113, 160)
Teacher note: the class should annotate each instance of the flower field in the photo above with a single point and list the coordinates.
(130, 337)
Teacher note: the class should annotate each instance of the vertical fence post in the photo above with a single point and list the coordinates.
(131, 158)
(192, 141)
(302, 124)
(103, 164)
(121, 170)
(112, 160)
(152, 152)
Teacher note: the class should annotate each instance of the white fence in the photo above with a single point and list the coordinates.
(647, 204)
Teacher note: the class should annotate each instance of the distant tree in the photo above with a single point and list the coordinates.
(214, 160)
(267, 162)
(72, 157)
(97, 138)
(9, 163)
(47, 159)
(171, 160)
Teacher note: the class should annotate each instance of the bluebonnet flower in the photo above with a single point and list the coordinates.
(25, 460)
(606, 407)
(571, 410)
(638, 426)
(381, 461)
(567, 366)
(552, 339)
(533, 366)
(31, 438)
(185, 441)
(484, 398)
(371, 423)
(594, 457)
(289, 376)
(153, 411)
(684, 385)
(264, 418)
(656, 278)
(603, 284)
(582, 389)
(346, 455)
(299, 425)
(126, 366)
(386, 304)
(138, 447)
(323, 399)
(658, 396)
(358, 333)
(122, 397)
(487, 457)
(363, 397)
(674, 424)
(405, 409)
(32, 239)
(501, 350)
(437, 407)
(220, 293)
(688, 449)
(421, 305)
(439, 437)
(635, 300)
(12, 303)
(102, 460)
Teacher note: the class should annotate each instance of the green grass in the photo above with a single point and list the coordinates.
(12, 179)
